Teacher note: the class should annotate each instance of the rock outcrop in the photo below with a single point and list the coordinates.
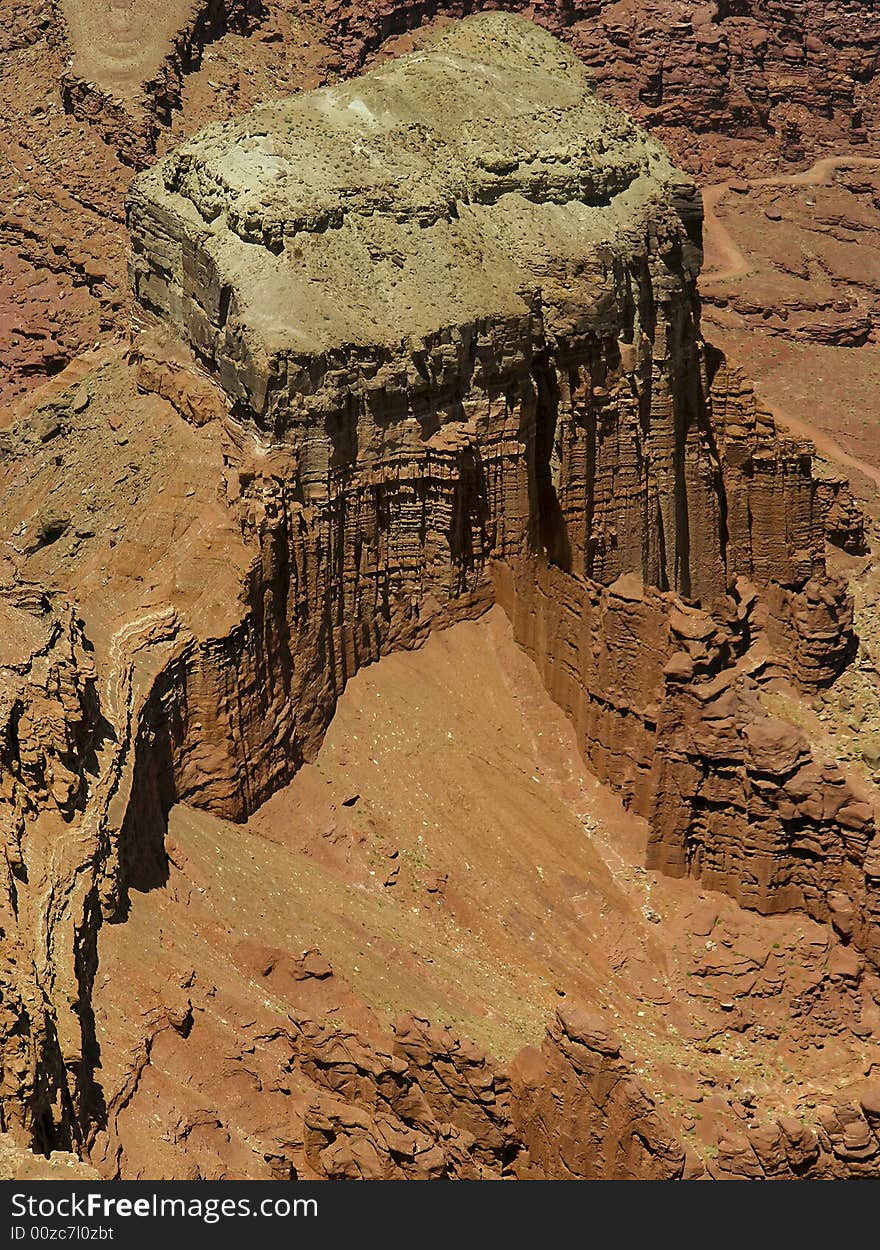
(126, 65)
(844, 519)
(51, 735)
(790, 74)
(553, 417)
(445, 350)
(576, 1101)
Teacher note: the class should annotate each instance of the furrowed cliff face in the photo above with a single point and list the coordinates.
(448, 354)
(551, 425)
(50, 738)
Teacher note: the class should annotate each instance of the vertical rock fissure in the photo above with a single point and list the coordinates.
(682, 511)
(551, 527)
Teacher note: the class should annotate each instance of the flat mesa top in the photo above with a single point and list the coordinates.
(439, 188)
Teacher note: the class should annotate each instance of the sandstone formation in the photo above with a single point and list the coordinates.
(793, 75)
(595, 1104)
(419, 343)
(19, 1163)
(78, 71)
(790, 74)
(581, 434)
(126, 63)
(235, 1046)
(50, 723)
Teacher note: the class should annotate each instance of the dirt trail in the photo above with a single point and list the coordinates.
(825, 445)
(732, 263)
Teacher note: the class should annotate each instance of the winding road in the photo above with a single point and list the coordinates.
(717, 238)
(730, 262)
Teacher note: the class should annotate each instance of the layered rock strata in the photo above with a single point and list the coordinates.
(552, 414)
(789, 74)
(451, 310)
(792, 77)
(49, 909)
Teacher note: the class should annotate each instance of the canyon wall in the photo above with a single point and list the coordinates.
(49, 911)
(552, 430)
(446, 350)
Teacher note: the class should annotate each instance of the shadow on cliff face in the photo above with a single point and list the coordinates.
(143, 861)
(551, 529)
(90, 1095)
(468, 532)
